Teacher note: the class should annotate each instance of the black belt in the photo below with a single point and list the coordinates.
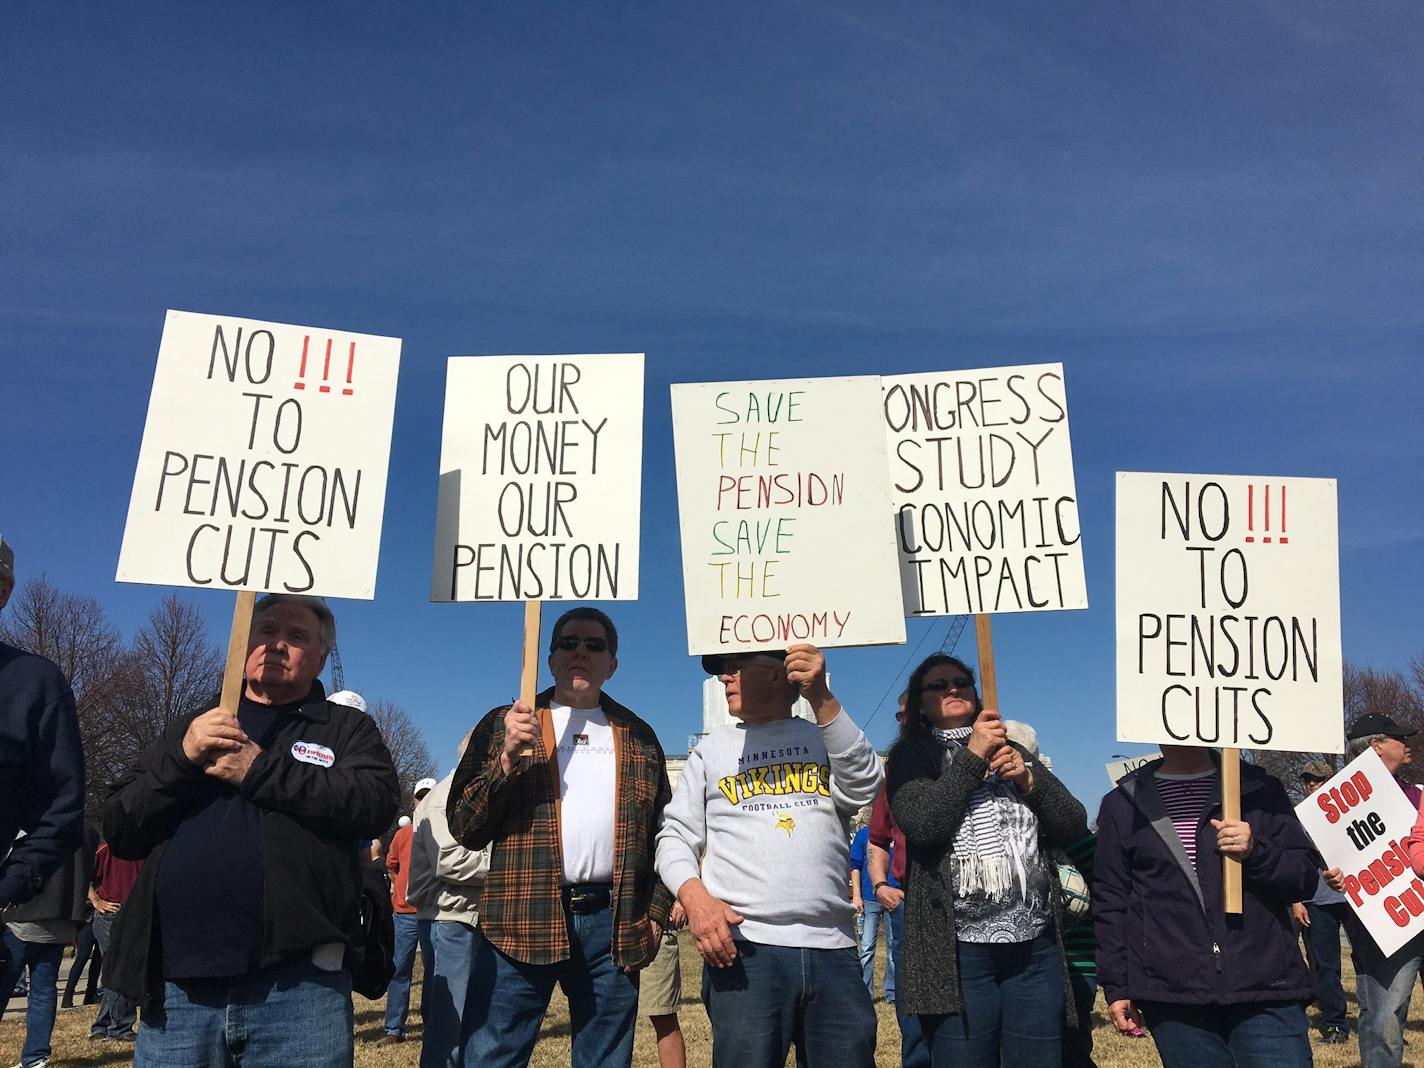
(583, 898)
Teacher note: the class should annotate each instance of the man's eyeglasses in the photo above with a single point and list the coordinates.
(569, 643)
(959, 682)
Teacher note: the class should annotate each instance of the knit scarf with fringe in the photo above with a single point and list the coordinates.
(996, 836)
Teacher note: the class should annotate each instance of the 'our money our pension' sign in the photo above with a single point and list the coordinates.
(540, 473)
(1228, 612)
(263, 464)
(986, 511)
(1359, 821)
(783, 504)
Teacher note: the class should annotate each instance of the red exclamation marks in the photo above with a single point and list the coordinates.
(1267, 525)
(1283, 539)
(1266, 536)
(350, 366)
(302, 372)
(326, 370)
(1250, 511)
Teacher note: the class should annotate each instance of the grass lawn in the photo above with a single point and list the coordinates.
(71, 1047)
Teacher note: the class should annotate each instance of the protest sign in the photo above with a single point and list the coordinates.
(1119, 769)
(784, 507)
(263, 463)
(1359, 821)
(1228, 612)
(986, 510)
(540, 479)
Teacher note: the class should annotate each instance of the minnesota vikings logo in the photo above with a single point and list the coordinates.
(786, 823)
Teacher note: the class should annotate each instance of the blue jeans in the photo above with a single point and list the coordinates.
(914, 1053)
(603, 1001)
(43, 961)
(446, 1000)
(295, 1015)
(1229, 1036)
(410, 932)
(1322, 939)
(774, 996)
(1078, 1041)
(1013, 1007)
(873, 918)
(1383, 985)
(116, 1018)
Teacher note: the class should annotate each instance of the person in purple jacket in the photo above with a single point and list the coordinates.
(1214, 989)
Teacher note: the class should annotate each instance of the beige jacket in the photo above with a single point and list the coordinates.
(445, 878)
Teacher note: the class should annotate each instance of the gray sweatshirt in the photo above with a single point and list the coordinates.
(767, 808)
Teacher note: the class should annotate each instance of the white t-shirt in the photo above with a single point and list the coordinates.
(588, 775)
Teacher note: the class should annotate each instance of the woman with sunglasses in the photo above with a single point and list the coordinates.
(982, 955)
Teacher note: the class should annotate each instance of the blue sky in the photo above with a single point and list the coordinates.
(1209, 213)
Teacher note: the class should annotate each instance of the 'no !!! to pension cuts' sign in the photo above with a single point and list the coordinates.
(540, 479)
(986, 510)
(1359, 821)
(784, 512)
(263, 463)
(1228, 612)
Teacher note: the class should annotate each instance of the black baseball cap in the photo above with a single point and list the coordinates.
(712, 663)
(1377, 723)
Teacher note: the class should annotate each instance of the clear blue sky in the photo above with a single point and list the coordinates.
(1210, 213)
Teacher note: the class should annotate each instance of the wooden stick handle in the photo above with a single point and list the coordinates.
(529, 672)
(1231, 810)
(988, 681)
(237, 649)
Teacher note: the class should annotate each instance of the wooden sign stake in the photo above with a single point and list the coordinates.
(529, 674)
(237, 649)
(988, 682)
(1231, 810)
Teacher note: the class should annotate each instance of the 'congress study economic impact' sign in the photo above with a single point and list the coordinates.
(1359, 821)
(540, 479)
(986, 511)
(1228, 612)
(784, 510)
(263, 463)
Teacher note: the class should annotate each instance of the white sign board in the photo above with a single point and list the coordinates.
(986, 510)
(784, 509)
(263, 464)
(541, 466)
(1228, 612)
(1119, 769)
(1359, 821)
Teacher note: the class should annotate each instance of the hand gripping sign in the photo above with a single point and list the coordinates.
(1359, 820)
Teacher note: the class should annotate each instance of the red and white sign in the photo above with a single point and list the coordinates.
(1359, 821)
(310, 753)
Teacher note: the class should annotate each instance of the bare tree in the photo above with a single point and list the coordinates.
(407, 745)
(179, 669)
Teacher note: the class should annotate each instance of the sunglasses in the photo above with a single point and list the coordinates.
(593, 645)
(959, 682)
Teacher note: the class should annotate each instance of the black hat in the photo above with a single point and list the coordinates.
(712, 662)
(1377, 723)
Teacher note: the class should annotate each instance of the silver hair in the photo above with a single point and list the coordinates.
(1355, 746)
(316, 605)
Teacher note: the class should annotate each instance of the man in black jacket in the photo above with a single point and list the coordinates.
(41, 765)
(236, 934)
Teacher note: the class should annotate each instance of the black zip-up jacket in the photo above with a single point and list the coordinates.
(312, 819)
(1163, 934)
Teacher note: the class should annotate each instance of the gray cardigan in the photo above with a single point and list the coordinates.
(928, 793)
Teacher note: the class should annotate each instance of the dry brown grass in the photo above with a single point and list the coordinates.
(71, 1048)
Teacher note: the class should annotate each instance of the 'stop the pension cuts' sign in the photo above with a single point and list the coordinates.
(263, 464)
(1228, 612)
(981, 471)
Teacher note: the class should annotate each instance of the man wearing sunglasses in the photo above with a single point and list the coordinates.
(756, 842)
(571, 896)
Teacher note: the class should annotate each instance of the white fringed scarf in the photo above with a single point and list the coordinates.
(997, 835)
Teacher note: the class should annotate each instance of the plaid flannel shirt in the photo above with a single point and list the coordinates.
(521, 905)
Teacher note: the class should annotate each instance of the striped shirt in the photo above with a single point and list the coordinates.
(1186, 798)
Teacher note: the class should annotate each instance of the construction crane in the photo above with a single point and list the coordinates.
(338, 677)
(951, 636)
